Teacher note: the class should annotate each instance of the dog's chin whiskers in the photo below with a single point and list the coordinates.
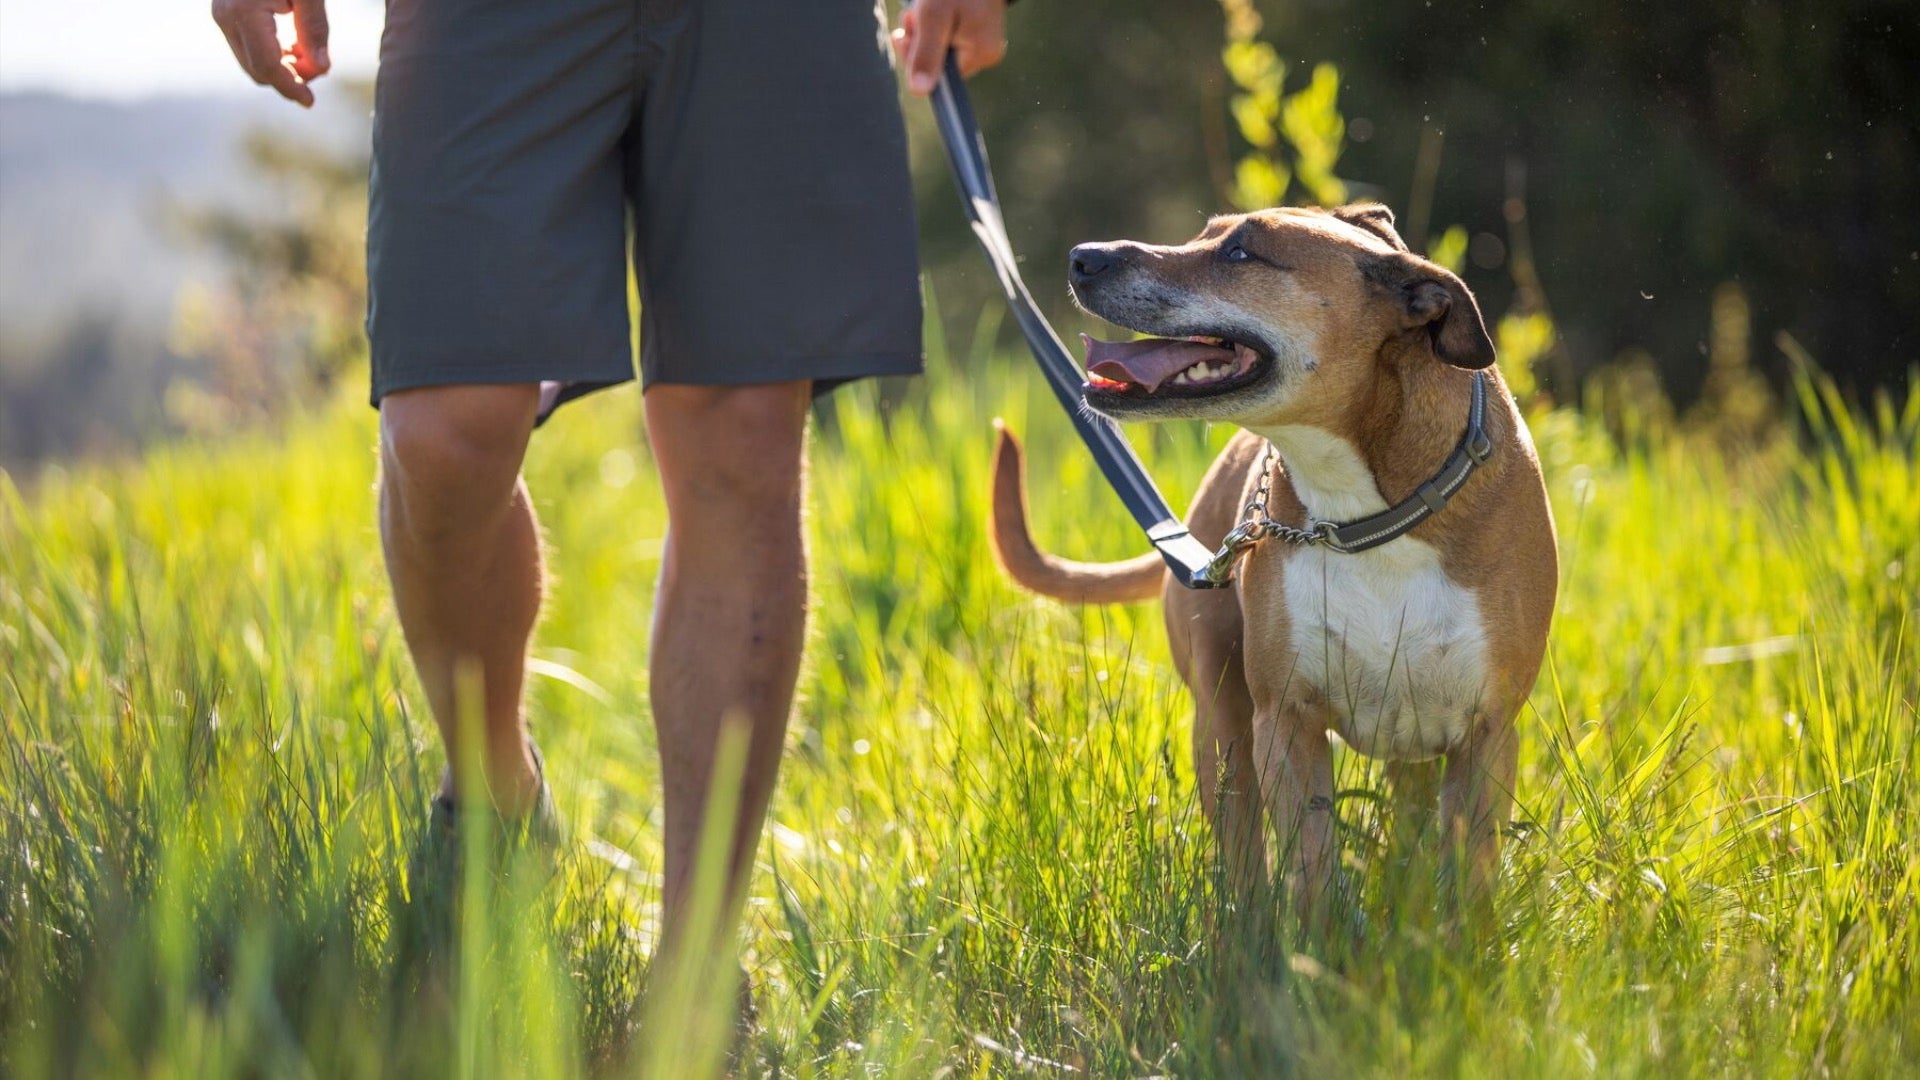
(1087, 410)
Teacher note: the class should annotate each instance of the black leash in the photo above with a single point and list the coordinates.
(1191, 563)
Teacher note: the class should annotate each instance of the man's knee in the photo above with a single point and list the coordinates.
(721, 446)
(443, 433)
(444, 447)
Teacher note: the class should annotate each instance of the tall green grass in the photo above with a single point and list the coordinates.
(985, 856)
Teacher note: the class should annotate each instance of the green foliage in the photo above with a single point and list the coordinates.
(985, 854)
(1520, 341)
(1292, 138)
(1449, 249)
(1669, 149)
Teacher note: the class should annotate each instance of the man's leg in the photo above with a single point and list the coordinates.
(463, 553)
(730, 616)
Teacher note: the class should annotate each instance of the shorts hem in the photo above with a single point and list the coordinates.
(415, 378)
(826, 371)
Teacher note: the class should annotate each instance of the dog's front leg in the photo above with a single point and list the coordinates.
(1223, 767)
(1295, 765)
(1476, 801)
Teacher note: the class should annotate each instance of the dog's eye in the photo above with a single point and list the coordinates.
(1235, 253)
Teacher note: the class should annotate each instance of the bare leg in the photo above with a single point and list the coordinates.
(463, 554)
(730, 616)
(1295, 765)
(1476, 802)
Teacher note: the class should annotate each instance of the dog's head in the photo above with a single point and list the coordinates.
(1265, 314)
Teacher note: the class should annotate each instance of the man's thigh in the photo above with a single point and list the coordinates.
(774, 222)
(496, 225)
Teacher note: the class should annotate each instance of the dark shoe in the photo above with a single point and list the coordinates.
(433, 872)
(540, 827)
(426, 913)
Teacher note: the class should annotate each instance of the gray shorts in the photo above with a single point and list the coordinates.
(751, 150)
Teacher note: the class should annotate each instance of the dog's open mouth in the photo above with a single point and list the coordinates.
(1169, 367)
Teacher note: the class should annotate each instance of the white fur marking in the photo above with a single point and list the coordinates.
(1395, 646)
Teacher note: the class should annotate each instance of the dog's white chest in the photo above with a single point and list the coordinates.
(1397, 649)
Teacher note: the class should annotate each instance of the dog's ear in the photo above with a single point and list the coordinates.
(1430, 296)
(1373, 217)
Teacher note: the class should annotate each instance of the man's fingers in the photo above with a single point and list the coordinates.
(899, 36)
(927, 39)
(974, 29)
(233, 42)
(980, 39)
(290, 85)
(977, 50)
(259, 42)
(255, 41)
(310, 38)
(267, 61)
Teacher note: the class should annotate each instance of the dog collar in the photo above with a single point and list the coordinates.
(1368, 532)
(1429, 498)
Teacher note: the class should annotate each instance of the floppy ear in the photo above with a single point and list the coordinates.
(1373, 217)
(1431, 296)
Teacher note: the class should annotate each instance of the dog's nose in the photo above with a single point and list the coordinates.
(1089, 261)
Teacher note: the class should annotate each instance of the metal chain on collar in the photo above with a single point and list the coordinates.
(1256, 518)
(1256, 524)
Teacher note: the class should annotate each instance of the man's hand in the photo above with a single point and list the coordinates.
(976, 30)
(255, 40)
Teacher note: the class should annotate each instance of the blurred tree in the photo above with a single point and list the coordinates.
(1670, 149)
(288, 321)
(88, 390)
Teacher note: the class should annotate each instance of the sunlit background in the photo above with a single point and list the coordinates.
(127, 48)
(1664, 209)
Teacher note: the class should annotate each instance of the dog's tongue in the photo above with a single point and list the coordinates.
(1148, 362)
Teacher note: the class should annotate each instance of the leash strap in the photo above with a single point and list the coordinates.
(1189, 561)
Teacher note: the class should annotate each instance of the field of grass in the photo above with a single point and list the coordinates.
(986, 857)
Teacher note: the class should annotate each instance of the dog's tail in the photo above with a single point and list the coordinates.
(1050, 575)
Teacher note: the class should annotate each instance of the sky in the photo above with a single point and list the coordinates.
(134, 48)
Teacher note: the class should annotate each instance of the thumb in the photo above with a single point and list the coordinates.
(310, 57)
(928, 47)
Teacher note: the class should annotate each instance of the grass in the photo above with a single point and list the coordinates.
(985, 856)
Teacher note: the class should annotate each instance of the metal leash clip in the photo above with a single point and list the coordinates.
(1257, 525)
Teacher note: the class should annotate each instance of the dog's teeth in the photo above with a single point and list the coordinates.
(1181, 379)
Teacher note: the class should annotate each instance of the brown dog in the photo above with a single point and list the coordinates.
(1323, 337)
